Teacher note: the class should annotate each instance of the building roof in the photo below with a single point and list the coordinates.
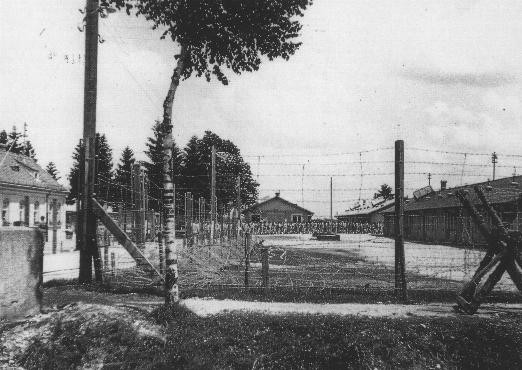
(20, 170)
(255, 206)
(499, 191)
(366, 211)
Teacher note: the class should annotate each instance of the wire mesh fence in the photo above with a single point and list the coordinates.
(442, 251)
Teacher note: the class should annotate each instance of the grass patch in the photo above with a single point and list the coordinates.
(255, 341)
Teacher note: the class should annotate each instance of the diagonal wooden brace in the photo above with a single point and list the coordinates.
(122, 238)
(500, 256)
(513, 264)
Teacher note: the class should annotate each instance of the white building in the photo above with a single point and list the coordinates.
(29, 196)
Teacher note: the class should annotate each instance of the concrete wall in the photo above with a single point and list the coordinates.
(21, 265)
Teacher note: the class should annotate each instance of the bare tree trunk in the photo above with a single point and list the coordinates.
(171, 258)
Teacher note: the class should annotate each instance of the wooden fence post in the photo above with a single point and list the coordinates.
(265, 269)
(247, 258)
(106, 257)
(113, 264)
(400, 268)
(160, 252)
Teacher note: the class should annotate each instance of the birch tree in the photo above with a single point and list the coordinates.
(214, 37)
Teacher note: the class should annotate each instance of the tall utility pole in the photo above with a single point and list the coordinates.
(400, 264)
(213, 202)
(429, 179)
(302, 186)
(331, 199)
(89, 249)
(238, 203)
(494, 159)
(25, 135)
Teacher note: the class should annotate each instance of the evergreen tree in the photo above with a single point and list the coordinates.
(197, 167)
(52, 170)
(104, 187)
(3, 137)
(385, 192)
(154, 165)
(28, 150)
(122, 178)
(20, 145)
(15, 141)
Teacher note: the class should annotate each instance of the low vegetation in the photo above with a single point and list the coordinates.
(247, 340)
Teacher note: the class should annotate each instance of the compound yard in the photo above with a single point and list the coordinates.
(358, 261)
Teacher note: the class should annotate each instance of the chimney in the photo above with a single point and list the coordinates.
(443, 184)
(277, 194)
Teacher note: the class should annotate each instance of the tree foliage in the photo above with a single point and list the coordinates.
(17, 144)
(223, 34)
(196, 171)
(3, 137)
(122, 178)
(385, 192)
(52, 170)
(154, 165)
(104, 187)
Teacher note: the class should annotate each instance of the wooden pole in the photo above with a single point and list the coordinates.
(265, 269)
(400, 268)
(213, 203)
(89, 247)
(139, 216)
(331, 199)
(247, 258)
(238, 205)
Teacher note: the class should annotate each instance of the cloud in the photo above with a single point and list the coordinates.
(482, 79)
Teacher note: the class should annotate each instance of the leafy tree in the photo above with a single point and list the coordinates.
(122, 177)
(155, 163)
(385, 192)
(196, 171)
(52, 170)
(104, 187)
(214, 35)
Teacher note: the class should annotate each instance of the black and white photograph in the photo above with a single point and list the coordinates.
(261, 184)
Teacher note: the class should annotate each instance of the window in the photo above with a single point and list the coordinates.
(297, 217)
(22, 211)
(36, 213)
(5, 212)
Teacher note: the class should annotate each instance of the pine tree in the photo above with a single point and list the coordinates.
(122, 178)
(104, 187)
(3, 137)
(154, 165)
(52, 170)
(20, 145)
(28, 150)
(15, 141)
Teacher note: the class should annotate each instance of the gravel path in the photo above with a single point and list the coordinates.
(206, 307)
(61, 296)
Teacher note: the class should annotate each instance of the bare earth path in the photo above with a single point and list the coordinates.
(203, 307)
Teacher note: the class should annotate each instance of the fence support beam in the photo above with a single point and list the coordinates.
(142, 262)
(400, 264)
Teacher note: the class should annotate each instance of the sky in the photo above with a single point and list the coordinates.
(444, 76)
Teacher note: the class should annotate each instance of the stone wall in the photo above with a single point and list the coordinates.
(21, 265)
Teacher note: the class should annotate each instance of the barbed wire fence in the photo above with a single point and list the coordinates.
(442, 250)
